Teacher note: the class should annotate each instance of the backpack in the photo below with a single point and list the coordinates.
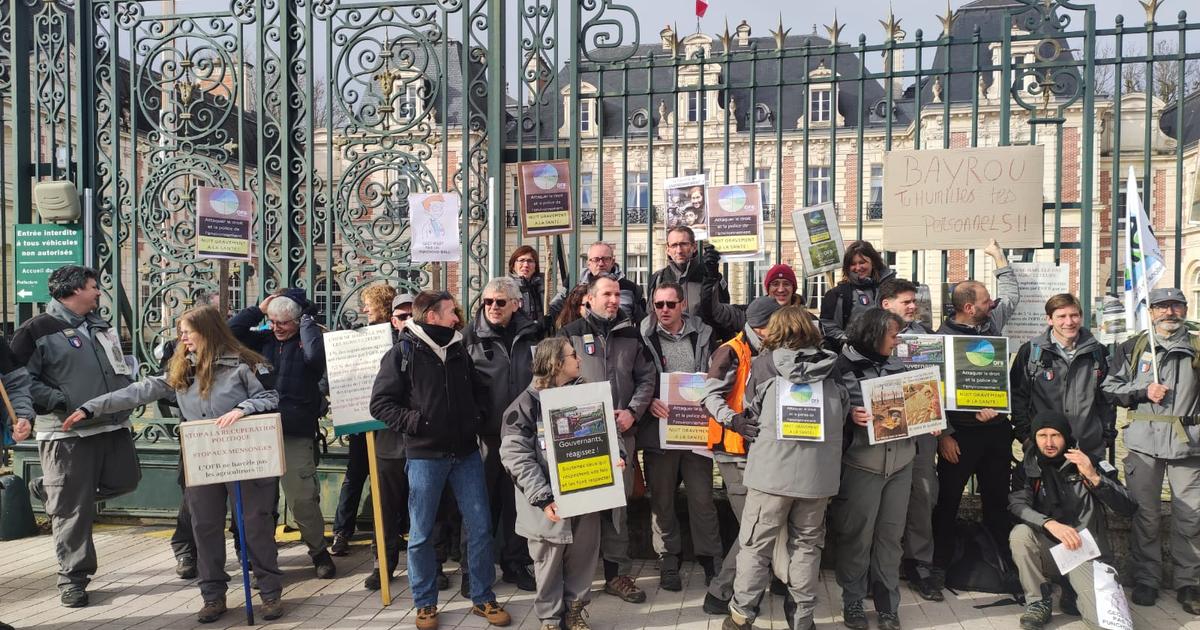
(1142, 341)
(978, 564)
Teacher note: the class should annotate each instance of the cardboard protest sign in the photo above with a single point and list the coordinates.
(251, 448)
(352, 361)
(1039, 281)
(977, 373)
(686, 424)
(735, 225)
(962, 198)
(434, 227)
(800, 411)
(582, 448)
(545, 192)
(685, 204)
(819, 239)
(223, 220)
(903, 405)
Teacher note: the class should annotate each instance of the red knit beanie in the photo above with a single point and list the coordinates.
(780, 271)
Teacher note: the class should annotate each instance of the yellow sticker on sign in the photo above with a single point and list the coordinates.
(583, 474)
(983, 399)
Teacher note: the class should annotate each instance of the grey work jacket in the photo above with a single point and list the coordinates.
(884, 459)
(1165, 440)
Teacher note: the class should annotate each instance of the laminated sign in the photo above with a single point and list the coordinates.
(223, 220)
(977, 373)
(801, 411)
(686, 424)
(903, 405)
(545, 192)
(735, 221)
(582, 448)
(251, 448)
(685, 204)
(352, 362)
(819, 239)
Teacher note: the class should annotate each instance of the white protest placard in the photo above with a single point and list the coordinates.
(352, 361)
(962, 198)
(251, 448)
(1039, 281)
(685, 204)
(1068, 559)
(686, 424)
(434, 225)
(800, 411)
(903, 405)
(582, 450)
(819, 239)
(1112, 610)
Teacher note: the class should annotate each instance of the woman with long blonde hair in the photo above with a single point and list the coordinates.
(212, 376)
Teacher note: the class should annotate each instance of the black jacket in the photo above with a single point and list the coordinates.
(533, 292)
(299, 366)
(505, 369)
(691, 277)
(849, 299)
(966, 419)
(428, 397)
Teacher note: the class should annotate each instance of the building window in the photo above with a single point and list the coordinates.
(1146, 203)
(637, 271)
(818, 185)
(697, 107)
(819, 105)
(815, 290)
(585, 117)
(637, 189)
(410, 102)
(875, 207)
(763, 177)
(688, 172)
(587, 209)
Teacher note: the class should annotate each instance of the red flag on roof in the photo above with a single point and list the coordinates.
(701, 7)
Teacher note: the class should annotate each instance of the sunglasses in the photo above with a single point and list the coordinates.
(666, 304)
(500, 303)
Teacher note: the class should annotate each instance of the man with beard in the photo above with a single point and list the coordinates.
(610, 348)
(1160, 387)
(601, 262)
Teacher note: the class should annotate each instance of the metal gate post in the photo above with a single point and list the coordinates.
(496, 136)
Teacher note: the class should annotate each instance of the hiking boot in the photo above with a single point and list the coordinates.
(778, 587)
(373, 583)
(185, 568)
(340, 546)
(710, 568)
(427, 618)
(737, 621)
(928, 589)
(211, 611)
(1068, 602)
(853, 616)
(1144, 595)
(324, 566)
(443, 582)
(889, 621)
(271, 609)
(576, 617)
(789, 611)
(668, 579)
(714, 605)
(493, 612)
(1036, 615)
(74, 597)
(464, 587)
(521, 576)
(1189, 598)
(623, 586)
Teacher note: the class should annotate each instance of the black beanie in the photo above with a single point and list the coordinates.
(1053, 420)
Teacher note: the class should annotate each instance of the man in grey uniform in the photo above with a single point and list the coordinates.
(1162, 438)
(73, 356)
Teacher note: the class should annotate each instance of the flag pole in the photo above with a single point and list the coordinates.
(1131, 189)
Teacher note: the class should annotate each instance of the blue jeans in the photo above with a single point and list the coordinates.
(426, 479)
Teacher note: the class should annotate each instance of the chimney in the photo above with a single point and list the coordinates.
(743, 34)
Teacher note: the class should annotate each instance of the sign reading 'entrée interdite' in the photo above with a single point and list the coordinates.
(39, 249)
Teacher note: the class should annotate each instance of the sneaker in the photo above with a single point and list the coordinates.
(624, 587)
(576, 617)
(714, 605)
(211, 611)
(74, 596)
(853, 616)
(1036, 615)
(737, 621)
(323, 564)
(271, 609)
(521, 576)
(1144, 595)
(427, 618)
(889, 621)
(493, 612)
(1068, 603)
(443, 582)
(185, 568)
(340, 546)
(668, 579)
(1189, 598)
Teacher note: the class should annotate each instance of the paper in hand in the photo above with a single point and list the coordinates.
(1068, 559)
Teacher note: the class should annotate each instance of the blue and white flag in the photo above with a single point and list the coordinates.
(1144, 264)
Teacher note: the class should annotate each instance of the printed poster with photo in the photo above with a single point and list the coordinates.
(685, 204)
(686, 424)
(922, 351)
(735, 224)
(545, 197)
(800, 411)
(434, 227)
(903, 405)
(977, 373)
(582, 451)
(819, 239)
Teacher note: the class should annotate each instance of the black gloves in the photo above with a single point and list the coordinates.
(745, 427)
(712, 260)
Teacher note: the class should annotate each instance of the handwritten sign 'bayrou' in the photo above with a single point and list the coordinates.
(961, 198)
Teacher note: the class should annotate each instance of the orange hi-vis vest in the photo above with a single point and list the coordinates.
(719, 437)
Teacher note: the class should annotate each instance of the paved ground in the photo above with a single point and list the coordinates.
(137, 588)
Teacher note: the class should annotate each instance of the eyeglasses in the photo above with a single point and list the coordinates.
(286, 322)
(600, 259)
(573, 355)
(670, 304)
(500, 303)
(525, 261)
(679, 244)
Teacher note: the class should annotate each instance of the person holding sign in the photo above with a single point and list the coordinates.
(678, 343)
(863, 271)
(793, 468)
(871, 507)
(1160, 385)
(563, 549)
(1058, 493)
(16, 387)
(688, 268)
(976, 443)
(214, 377)
(69, 354)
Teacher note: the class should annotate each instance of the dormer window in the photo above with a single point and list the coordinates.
(697, 107)
(410, 102)
(820, 101)
(585, 116)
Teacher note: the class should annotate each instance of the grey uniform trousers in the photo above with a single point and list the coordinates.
(208, 504)
(918, 527)
(76, 473)
(732, 472)
(1035, 566)
(762, 519)
(614, 540)
(302, 493)
(868, 520)
(663, 470)
(1143, 478)
(564, 572)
